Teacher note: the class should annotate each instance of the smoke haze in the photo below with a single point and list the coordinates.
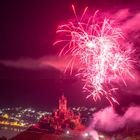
(110, 121)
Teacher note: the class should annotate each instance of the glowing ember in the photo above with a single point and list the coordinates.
(95, 44)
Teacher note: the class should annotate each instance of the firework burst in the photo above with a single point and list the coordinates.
(96, 45)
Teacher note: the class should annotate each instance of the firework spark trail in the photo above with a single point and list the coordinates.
(94, 43)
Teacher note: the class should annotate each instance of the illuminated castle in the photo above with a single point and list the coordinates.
(63, 104)
(64, 113)
(61, 119)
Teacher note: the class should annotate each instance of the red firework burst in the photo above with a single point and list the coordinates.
(96, 44)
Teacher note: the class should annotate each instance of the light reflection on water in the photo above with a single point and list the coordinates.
(9, 132)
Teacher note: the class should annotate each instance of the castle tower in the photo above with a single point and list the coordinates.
(63, 104)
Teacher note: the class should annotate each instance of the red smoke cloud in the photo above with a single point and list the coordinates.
(109, 121)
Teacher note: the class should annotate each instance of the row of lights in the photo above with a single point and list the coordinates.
(86, 134)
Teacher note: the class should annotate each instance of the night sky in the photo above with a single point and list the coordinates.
(28, 30)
